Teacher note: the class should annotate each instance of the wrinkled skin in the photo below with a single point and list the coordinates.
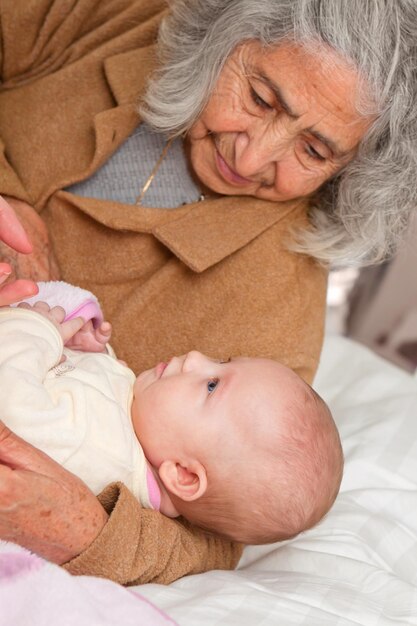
(42, 506)
(279, 124)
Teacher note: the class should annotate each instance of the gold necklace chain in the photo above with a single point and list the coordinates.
(156, 167)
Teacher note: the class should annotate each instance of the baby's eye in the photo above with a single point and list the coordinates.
(212, 384)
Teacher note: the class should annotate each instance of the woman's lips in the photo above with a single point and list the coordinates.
(160, 368)
(228, 174)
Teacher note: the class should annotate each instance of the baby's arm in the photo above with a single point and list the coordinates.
(30, 347)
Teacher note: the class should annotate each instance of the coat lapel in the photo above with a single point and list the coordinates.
(126, 74)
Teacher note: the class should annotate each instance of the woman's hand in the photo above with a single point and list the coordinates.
(16, 290)
(13, 234)
(11, 230)
(43, 507)
(25, 252)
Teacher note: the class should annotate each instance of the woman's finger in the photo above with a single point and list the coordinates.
(16, 453)
(11, 230)
(5, 271)
(16, 291)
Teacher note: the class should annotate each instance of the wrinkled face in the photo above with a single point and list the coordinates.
(193, 403)
(279, 124)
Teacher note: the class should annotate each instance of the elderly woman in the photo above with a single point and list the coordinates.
(273, 138)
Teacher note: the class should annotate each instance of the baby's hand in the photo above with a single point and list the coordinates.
(90, 339)
(56, 316)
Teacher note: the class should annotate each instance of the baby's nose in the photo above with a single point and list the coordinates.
(193, 360)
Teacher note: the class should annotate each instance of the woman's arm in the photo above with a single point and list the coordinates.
(36, 36)
(140, 546)
(51, 512)
(42, 506)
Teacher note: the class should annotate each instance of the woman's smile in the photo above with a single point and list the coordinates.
(227, 173)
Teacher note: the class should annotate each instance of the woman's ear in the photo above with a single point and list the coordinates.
(188, 482)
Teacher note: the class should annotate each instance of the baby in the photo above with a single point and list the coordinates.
(242, 447)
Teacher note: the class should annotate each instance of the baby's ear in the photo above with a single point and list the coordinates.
(188, 482)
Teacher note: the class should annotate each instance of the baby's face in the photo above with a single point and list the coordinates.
(193, 402)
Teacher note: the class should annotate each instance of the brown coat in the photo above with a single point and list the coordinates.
(214, 276)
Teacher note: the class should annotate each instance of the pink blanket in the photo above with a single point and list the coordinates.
(35, 592)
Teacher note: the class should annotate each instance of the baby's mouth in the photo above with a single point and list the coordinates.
(160, 368)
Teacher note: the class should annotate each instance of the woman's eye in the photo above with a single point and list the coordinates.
(259, 101)
(212, 384)
(313, 154)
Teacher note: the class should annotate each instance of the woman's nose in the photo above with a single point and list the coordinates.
(257, 157)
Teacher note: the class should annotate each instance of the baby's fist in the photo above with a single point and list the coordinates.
(90, 339)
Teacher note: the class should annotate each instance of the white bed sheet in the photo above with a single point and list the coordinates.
(357, 567)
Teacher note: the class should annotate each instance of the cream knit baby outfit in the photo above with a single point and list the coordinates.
(77, 411)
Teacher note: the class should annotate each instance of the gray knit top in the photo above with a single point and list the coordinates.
(123, 176)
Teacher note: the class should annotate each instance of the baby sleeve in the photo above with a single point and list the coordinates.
(30, 347)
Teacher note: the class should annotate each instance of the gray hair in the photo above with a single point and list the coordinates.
(359, 215)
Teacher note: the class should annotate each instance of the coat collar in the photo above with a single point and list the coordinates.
(127, 73)
(215, 229)
(200, 234)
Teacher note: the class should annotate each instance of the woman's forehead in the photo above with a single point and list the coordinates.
(314, 83)
(303, 66)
